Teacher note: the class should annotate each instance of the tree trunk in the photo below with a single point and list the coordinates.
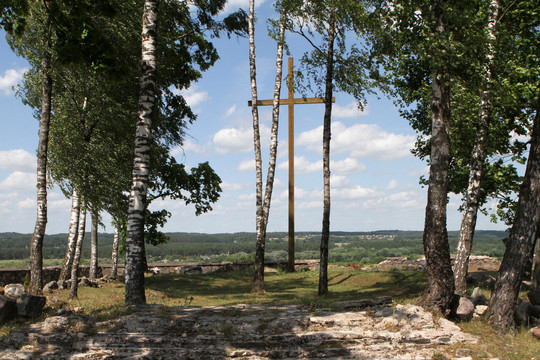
(36, 245)
(258, 277)
(72, 237)
(440, 288)
(134, 270)
(114, 269)
(274, 132)
(78, 251)
(468, 224)
(94, 248)
(536, 268)
(521, 240)
(325, 236)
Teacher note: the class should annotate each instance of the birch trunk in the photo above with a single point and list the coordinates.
(325, 237)
(114, 269)
(521, 240)
(94, 248)
(36, 245)
(72, 236)
(440, 287)
(258, 277)
(78, 251)
(134, 268)
(468, 223)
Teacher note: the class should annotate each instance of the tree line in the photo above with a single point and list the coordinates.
(354, 247)
(103, 85)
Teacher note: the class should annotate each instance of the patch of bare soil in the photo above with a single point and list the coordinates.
(240, 332)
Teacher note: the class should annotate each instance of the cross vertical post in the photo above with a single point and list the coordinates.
(291, 101)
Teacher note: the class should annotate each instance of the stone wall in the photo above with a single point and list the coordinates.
(11, 276)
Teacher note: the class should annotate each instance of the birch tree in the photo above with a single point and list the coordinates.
(263, 198)
(73, 292)
(134, 272)
(332, 65)
(72, 237)
(472, 200)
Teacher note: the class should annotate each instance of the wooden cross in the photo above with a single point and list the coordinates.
(291, 101)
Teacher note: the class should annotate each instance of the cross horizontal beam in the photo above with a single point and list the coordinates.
(289, 102)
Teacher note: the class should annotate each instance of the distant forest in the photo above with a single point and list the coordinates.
(357, 247)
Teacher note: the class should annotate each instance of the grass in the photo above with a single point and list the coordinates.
(225, 289)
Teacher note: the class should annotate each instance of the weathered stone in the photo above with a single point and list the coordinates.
(8, 309)
(50, 286)
(523, 314)
(84, 281)
(479, 310)
(14, 290)
(190, 270)
(64, 284)
(364, 303)
(242, 331)
(478, 297)
(534, 297)
(30, 305)
(536, 332)
(461, 308)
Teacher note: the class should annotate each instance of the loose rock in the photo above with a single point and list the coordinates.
(462, 308)
(50, 286)
(478, 297)
(14, 290)
(536, 332)
(30, 305)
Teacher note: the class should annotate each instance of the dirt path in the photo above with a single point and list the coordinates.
(240, 332)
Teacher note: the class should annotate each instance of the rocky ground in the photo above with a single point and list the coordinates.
(241, 332)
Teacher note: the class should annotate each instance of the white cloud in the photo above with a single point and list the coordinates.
(192, 96)
(226, 186)
(230, 111)
(304, 166)
(18, 180)
(10, 79)
(339, 181)
(347, 166)
(356, 192)
(17, 160)
(400, 200)
(247, 165)
(348, 111)
(233, 140)
(239, 140)
(233, 5)
(361, 141)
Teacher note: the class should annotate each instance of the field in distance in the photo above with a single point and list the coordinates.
(345, 247)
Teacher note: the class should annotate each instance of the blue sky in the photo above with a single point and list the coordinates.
(374, 176)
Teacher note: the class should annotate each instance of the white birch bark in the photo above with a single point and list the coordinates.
(72, 236)
(94, 248)
(36, 244)
(258, 279)
(116, 238)
(134, 268)
(78, 250)
(468, 222)
(325, 235)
